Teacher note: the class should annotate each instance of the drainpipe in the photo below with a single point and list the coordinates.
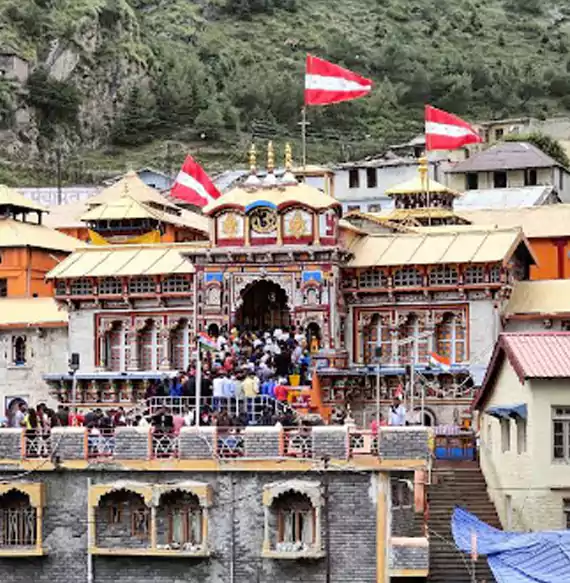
(233, 531)
(89, 541)
(29, 273)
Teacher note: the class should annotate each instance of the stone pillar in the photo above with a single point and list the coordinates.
(266, 533)
(164, 338)
(186, 341)
(153, 533)
(382, 528)
(279, 230)
(132, 341)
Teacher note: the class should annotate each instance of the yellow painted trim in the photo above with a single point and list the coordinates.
(363, 463)
(97, 491)
(409, 572)
(382, 529)
(147, 552)
(35, 491)
(33, 552)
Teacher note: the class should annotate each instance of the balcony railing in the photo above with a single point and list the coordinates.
(165, 445)
(461, 446)
(230, 443)
(37, 444)
(363, 442)
(298, 443)
(100, 445)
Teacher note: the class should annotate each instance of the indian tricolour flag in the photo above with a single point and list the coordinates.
(439, 361)
(207, 342)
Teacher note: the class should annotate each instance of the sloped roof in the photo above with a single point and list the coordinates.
(416, 185)
(125, 260)
(19, 234)
(433, 245)
(502, 198)
(130, 184)
(9, 196)
(26, 312)
(540, 298)
(533, 355)
(124, 208)
(66, 215)
(506, 156)
(551, 220)
(276, 197)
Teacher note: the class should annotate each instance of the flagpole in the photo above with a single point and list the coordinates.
(304, 134)
(198, 385)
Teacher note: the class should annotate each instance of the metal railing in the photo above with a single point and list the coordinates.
(230, 443)
(37, 444)
(298, 442)
(17, 527)
(363, 443)
(100, 445)
(165, 445)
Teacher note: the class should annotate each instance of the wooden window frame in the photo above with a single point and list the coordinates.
(407, 277)
(561, 416)
(189, 512)
(111, 290)
(284, 513)
(82, 286)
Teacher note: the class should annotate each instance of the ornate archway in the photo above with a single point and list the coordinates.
(264, 305)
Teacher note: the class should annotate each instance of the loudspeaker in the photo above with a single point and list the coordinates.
(74, 361)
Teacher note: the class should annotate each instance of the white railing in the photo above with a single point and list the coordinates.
(165, 445)
(230, 443)
(298, 443)
(37, 444)
(363, 443)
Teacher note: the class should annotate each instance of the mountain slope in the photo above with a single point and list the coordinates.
(132, 72)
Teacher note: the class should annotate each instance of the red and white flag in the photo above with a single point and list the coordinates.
(445, 131)
(439, 361)
(193, 185)
(328, 83)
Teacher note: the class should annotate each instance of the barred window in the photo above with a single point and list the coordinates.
(407, 276)
(372, 278)
(443, 275)
(60, 288)
(175, 283)
(141, 285)
(561, 433)
(475, 274)
(81, 287)
(111, 286)
(495, 274)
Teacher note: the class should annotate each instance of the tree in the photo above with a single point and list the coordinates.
(548, 145)
(136, 123)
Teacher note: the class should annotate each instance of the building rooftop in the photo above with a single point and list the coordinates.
(416, 185)
(125, 260)
(11, 197)
(552, 220)
(506, 156)
(503, 198)
(28, 312)
(533, 355)
(19, 234)
(540, 298)
(437, 245)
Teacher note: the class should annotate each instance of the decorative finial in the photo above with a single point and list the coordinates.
(252, 180)
(270, 157)
(288, 157)
(423, 170)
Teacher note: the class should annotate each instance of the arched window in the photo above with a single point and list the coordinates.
(474, 274)
(111, 286)
(180, 520)
(312, 296)
(178, 341)
(295, 521)
(114, 346)
(409, 349)
(17, 520)
(81, 287)
(407, 277)
(450, 338)
(19, 350)
(148, 346)
(443, 275)
(378, 336)
(175, 284)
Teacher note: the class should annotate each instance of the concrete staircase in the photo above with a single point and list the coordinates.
(456, 484)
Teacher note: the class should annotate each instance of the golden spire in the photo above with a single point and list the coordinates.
(270, 157)
(423, 170)
(288, 157)
(252, 159)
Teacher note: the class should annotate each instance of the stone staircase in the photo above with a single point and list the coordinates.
(456, 484)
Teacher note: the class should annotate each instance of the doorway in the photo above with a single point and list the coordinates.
(264, 307)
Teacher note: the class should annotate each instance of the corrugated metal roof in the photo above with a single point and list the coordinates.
(416, 185)
(31, 311)
(506, 156)
(124, 208)
(539, 354)
(502, 198)
(9, 196)
(18, 234)
(551, 220)
(540, 298)
(434, 245)
(127, 260)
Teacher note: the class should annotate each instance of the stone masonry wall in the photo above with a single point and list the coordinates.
(235, 533)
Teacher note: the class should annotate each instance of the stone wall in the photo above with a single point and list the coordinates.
(46, 352)
(82, 335)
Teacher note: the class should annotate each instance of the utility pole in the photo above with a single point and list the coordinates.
(58, 169)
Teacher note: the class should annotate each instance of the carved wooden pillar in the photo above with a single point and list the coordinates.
(186, 345)
(132, 341)
(164, 338)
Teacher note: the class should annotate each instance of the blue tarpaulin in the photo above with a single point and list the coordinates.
(536, 557)
(508, 411)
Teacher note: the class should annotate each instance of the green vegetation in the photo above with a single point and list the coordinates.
(212, 74)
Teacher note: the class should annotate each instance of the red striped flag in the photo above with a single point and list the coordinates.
(328, 83)
(193, 185)
(445, 131)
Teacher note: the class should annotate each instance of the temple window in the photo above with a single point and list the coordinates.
(18, 520)
(443, 275)
(178, 344)
(180, 521)
(19, 350)
(142, 285)
(474, 274)
(113, 347)
(175, 284)
(111, 286)
(292, 520)
(148, 346)
(495, 274)
(81, 287)
(450, 338)
(409, 350)
(407, 276)
(60, 288)
(372, 278)
(122, 521)
(312, 295)
(377, 337)
(354, 178)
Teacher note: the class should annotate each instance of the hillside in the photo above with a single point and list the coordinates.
(118, 82)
